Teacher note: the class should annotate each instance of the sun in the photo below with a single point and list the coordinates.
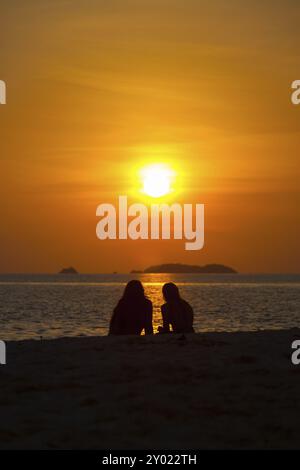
(157, 180)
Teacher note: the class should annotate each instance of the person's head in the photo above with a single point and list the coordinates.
(134, 290)
(170, 292)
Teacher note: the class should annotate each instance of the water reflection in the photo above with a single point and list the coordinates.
(53, 306)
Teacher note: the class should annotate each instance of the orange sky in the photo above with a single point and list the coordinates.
(96, 89)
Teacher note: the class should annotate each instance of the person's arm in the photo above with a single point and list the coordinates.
(165, 318)
(189, 318)
(114, 327)
(148, 323)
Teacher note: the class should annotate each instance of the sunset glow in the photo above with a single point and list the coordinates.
(156, 180)
(100, 101)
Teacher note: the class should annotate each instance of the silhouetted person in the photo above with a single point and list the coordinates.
(176, 312)
(133, 314)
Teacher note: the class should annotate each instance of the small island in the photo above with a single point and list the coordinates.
(186, 268)
(69, 270)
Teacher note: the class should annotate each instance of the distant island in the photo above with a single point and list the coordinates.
(187, 268)
(69, 270)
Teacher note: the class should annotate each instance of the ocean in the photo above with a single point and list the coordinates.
(51, 306)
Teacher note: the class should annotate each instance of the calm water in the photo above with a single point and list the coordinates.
(74, 305)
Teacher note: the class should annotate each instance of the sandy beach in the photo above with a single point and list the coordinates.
(213, 390)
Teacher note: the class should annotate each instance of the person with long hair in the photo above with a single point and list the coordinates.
(133, 313)
(176, 312)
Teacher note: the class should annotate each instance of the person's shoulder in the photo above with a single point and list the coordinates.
(186, 304)
(148, 302)
(120, 304)
(164, 307)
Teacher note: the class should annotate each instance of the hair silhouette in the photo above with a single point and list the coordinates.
(133, 290)
(133, 314)
(170, 292)
(176, 312)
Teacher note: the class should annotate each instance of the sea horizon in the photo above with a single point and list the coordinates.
(38, 306)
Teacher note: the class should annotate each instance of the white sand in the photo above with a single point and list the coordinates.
(216, 390)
